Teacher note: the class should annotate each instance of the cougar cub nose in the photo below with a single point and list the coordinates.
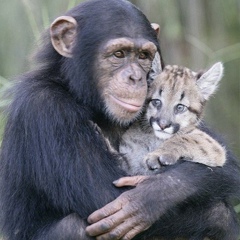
(163, 124)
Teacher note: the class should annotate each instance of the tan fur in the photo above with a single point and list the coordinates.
(141, 145)
(179, 85)
(193, 145)
(146, 146)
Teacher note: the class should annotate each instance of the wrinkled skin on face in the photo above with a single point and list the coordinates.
(124, 88)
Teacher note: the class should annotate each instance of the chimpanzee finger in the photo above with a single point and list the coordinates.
(106, 211)
(133, 232)
(107, 224)
(129, 181)
(122, 231)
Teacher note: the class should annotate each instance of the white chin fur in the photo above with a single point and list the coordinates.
(162, 134)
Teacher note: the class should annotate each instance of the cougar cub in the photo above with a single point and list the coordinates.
(169, 129)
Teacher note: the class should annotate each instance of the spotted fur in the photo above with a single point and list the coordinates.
(169, 130)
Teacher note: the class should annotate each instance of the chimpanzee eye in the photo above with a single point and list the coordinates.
(119, 54)
(180, 108)
(156, 102)
(143, 55)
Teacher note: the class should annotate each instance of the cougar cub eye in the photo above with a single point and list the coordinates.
(156, 102)
(180, 108)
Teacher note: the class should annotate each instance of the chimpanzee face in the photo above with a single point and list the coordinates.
(120, 68)
(123, 65)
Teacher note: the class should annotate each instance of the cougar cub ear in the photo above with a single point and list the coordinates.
(156, 67)
(156, 64)
(208, 81)
(156, 27)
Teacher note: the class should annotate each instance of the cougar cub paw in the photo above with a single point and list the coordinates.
(152, 162)
(167, 159)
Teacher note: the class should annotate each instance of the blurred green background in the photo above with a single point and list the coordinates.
(194, 33)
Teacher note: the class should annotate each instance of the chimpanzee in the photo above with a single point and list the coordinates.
(56, 170)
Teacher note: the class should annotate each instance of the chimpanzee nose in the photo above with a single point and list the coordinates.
(136, 77)
(136, 74)
(163, 124)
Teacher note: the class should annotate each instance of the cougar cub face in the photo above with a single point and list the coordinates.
(177, 96)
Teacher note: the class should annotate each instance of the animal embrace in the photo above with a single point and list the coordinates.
(57, 172)
(173, 112)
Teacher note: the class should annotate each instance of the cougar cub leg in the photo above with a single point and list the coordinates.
(158, 158)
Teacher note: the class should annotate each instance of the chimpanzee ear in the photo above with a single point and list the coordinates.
(63, 33)
(156, 27)
(208, 81)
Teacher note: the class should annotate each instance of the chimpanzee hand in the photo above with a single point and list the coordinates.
(129, 181)
(128, 215)
(137, 209)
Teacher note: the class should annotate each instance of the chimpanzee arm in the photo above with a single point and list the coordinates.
(54, 164)
(70, 228)
(52, 161)
(183, 184)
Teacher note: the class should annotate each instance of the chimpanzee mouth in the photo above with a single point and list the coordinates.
(129, 106)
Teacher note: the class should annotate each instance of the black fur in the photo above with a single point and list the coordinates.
(52, 161)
